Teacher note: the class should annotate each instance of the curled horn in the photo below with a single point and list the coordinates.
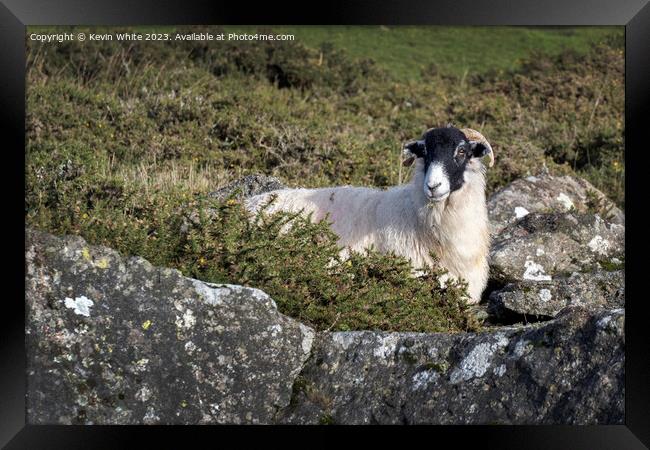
(474, 135)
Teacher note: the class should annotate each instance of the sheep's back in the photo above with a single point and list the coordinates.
(350, 209)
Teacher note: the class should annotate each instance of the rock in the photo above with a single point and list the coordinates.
(546, 194)
(599, 289)
(242, 188)
(541, 246)
(566, 371)
(249, 186)
(114, 340)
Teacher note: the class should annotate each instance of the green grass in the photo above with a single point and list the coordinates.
(408, 51)
(124, 141)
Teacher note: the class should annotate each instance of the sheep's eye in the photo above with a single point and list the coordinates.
(461, 151)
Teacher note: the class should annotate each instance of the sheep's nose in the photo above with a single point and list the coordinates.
(434, 187)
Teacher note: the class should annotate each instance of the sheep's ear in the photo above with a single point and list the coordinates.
(479, 145)
(480, 149)
(412, 150)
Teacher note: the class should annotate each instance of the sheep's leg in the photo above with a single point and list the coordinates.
(473, 296)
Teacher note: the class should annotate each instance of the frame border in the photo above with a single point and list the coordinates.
(15, 15)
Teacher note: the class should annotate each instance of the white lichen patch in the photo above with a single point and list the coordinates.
(150, 417)
(521, 347)
(386, 346)
(187, 320)
(143, 394)
(477, 362)
(82, 400)
(29, 257)
(499, 371)
(82, 329)
(545, 295)
(566, 202)
(81, 305)
(540, 251)
(535, 272)
(520, 212)
(190, 347)
(307, 338)
(275, 329)
(599, 245)
(422, 379)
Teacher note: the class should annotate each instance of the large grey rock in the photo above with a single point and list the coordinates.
(114, 340)
(541, 246)
(599, 289)
(248, 186)
(547, 194)
(567, 371)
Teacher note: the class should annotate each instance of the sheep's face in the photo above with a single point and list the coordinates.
(446, 153)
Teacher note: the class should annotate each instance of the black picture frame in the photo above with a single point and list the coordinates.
(15, 15)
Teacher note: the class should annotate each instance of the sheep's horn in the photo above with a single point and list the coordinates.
(474, 135)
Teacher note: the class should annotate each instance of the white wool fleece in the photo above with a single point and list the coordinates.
(403, 220)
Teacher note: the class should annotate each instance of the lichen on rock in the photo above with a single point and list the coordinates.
(547, 193)
(540, 246)
(174, 351)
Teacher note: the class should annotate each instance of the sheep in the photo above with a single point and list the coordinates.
(441, 210)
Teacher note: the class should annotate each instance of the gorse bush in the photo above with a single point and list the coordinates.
(301, 269)
(290, 65)
(125, 139)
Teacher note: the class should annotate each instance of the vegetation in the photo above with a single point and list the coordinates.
(125, 139)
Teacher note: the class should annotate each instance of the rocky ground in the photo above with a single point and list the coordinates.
(114, 340)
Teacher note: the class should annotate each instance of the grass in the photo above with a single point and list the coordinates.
(124, 141)
(409, 51)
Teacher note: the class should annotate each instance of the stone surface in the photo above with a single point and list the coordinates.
(599, 289)
(545, 194)
(569, 370)
(249, 186)
(113, 340)
(541, 246)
